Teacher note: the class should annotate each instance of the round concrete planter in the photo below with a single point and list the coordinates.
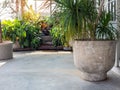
(94, 58)
(6, 50)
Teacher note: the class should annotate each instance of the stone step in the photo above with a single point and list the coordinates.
(46, 38)
(48, 43)
(50, 47)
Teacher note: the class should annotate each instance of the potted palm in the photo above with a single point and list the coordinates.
(94, 37)
(6, 51)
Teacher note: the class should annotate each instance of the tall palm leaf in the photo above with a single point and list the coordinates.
(81, 19)
(77, 16)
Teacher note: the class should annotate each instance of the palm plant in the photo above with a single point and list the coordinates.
(80, 19)
(88, 26)
(105, 30)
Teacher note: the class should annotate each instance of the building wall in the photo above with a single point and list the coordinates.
(118, 43)
(115, 22)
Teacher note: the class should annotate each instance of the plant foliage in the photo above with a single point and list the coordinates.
(78, 19)
(27, 34)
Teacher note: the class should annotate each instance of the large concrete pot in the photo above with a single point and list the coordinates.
(94, 58)
(6, 50)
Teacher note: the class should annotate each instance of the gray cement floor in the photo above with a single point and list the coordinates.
(48, 71)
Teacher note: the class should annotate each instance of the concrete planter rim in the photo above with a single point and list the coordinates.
(6, 42)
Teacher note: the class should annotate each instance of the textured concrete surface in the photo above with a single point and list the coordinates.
(48, 71)
(6, 50)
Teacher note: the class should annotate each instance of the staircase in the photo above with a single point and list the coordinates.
(47, 44)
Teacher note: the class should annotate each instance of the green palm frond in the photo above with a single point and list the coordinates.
(80, 19)
(105, 29)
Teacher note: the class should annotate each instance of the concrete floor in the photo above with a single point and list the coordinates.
(48, 71)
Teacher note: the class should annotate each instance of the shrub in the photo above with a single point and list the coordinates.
(27, 34)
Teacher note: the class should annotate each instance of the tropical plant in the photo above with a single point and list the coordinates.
(105, 29)
(82, 20)
(27, 34)
(87, 25)
(31, 16)
(57, 33)
(57, 36)
(33, 36)
(13, 29)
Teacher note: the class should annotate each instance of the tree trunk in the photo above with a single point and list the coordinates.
(99, 11)
(0, 33)
(17, 8)
(22, 7)
(98, 17)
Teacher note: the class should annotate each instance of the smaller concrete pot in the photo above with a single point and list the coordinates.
(6, 50)
(94, 58)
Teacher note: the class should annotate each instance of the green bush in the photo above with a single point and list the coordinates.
(57, 32)
(27, 34)
(83, 21)
(57, 36)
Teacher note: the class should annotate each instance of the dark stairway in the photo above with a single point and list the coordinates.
(47, 44)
